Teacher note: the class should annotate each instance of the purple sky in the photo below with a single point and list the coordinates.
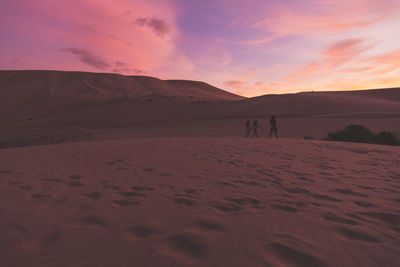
(250, 47)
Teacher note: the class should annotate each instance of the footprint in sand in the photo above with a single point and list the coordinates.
(348, 192)
(306, 179)
(225, 207)
(244, 201)
(283, 208)
(364, 204)
(193, 191)
(131, 194)
(325, 197)
(124, 203)
(208, 226)
(185, 247)
(282, 255)
(249, 183)
(93, 221)
(114, 162)
(25, 187)
(142, 188)
(18, 227)
(389, 218)
(142, 231)
(54, 180)
(329, 216)
(52, 236)
(75, 177)
(74, 184)
(92, 195)
(40, 196)
(195, 177)
(225, 184)
(165, 174)
(183, 201)
(109, 185)
(356, 235)
(296, 190)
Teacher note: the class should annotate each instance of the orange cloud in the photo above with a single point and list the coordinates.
(343, 51)
(336, 55)
(235, 84)
(328, 16)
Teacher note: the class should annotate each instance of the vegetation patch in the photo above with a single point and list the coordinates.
(360, 134)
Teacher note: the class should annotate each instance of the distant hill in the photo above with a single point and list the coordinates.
(39, 91)
(105, 85)
(37, 107)
(364, 103)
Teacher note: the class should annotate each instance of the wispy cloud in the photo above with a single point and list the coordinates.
(123, 67)
(159, 27)
(235, 84)
(336, 55)
(343, 51)
(87, 57)
(327, 16)
(385, 63)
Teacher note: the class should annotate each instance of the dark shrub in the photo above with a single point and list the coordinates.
(361, 134)
(353, 133)
(387, 138)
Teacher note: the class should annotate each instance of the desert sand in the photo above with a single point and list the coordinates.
(200, 202)
(111, 170)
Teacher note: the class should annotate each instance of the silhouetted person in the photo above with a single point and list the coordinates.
(255, 127)
(273, 128)
(248, 128)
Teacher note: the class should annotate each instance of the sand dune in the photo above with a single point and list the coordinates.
(200, 202)
(105, 85)
(32, 93)
(38, 107)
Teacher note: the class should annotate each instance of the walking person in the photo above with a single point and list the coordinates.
(273, 128)
(248, 128)
(255, 127)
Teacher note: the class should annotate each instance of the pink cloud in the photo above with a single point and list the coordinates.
(326, 16)
(343, 51)
(235, 84)
(87, 57)
(123, 67)
(336, 55)
(358, 69)
(385, 63)
(159, 27)
(93, 33)
(259, 83)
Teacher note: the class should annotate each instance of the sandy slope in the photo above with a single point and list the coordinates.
(39, 107)
(200, 202)
(33, 93)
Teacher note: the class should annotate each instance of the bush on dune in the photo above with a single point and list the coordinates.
(387, 138)
(361, 134)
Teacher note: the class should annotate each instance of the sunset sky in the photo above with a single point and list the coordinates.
(251, 47)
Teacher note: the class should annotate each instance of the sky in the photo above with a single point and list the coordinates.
(251, 47)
